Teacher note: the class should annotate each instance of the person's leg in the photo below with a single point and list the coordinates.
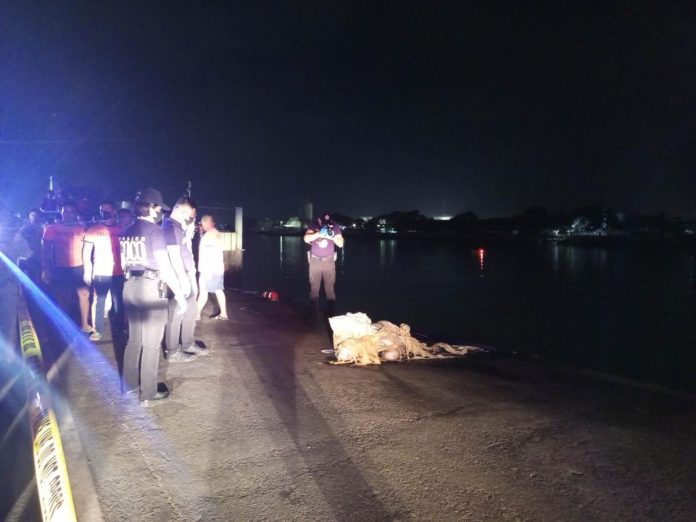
(62, 289)
(173, 327)
(314, 286)
(101, 287)
(117, 313)
(83, 298)
(131, 358)
(314, 279)
(202, 297)
(222, 301)
(328, 275)
(153, 329)
(188, 323)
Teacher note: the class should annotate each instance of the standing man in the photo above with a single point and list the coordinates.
(211, 268)
(32, 232)
(62, 263)
(125, 218)
(101, 257)
(179, 334)
(324, 236)
(148, 274)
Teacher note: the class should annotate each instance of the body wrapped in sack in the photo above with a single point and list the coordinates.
(358, 341)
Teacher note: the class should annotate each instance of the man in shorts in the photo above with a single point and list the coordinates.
(62, 263)
(101, 256)
(211, 268)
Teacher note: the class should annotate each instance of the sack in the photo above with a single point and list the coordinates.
(350, 326)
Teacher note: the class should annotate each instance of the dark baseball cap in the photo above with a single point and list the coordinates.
(151, 195)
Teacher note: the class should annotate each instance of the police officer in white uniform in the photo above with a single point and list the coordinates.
(149, 273)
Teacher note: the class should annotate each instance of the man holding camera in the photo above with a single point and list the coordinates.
(324, 236)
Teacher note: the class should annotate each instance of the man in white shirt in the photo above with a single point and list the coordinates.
(211, 268)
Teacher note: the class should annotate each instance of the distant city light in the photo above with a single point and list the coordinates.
(442, 218)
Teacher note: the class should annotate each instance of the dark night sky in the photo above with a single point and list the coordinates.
(361, 107)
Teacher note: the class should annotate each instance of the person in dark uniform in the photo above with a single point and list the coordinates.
(324, 236)
(148, 273)
(179, 333)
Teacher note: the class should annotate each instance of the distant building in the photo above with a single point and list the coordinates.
(293, 222)
(307, 211)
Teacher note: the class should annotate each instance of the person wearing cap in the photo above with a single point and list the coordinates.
(323, 236)
(179, 333)
(149, 272)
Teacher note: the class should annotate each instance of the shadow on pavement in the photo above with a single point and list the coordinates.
(338, 477)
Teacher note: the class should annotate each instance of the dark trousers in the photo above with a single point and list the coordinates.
(322, 271)
(180, 327)
(102, 286)
(147, 317)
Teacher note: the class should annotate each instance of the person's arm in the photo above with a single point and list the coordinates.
(47, 255)
(177, 262)
(175, 259)
(311, 235)
(166, 270)
(338, 240)
(87, 250)
(167, 273)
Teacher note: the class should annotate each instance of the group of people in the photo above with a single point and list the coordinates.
(145, 263)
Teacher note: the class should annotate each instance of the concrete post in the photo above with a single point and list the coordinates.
(239, 227)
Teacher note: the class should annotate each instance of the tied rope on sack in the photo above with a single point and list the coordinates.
(359, 341)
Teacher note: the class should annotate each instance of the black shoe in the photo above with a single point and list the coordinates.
(159, 398)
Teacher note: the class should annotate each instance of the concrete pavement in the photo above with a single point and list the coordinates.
(264, 429)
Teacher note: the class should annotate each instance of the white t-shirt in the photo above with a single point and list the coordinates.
(107, 249)
(210, 258)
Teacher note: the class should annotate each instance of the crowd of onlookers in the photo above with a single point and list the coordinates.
(76, 260)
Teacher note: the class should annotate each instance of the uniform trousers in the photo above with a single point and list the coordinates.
(181, 327)
(322, 270)
(147, 317)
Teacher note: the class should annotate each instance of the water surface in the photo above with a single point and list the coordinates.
(627, 310)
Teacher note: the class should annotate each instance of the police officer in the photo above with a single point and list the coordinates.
(148, 273)
(324, 236)
(179, 333)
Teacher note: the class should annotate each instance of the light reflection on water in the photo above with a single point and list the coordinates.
(623, 310)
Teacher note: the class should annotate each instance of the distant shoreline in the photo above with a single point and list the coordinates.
(484, 240)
